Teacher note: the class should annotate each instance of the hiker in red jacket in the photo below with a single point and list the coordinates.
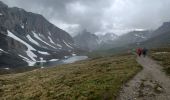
(139, 51)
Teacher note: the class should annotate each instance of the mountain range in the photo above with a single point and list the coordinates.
(150, 39)
(135, 39)
(155, 39)
(27, 38)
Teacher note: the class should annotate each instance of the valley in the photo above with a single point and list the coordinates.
(74, 50)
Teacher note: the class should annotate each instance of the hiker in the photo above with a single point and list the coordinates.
(144, 52)
(139, 51)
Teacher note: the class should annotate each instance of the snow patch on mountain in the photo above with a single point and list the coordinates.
(44, 53)
(51, 40)
(10, 34)
(31, 55)
(41, 36)
(1, 50)
(30, 63)
(49, 33)
(67, 44)
(137, 35)
(29, 47)
(59, 45)
(22, 26)
(36, 36)
(24, 58)
(32, 40)
(73, 54)
(52, 60)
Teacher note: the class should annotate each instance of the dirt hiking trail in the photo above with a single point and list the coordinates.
(149, 84)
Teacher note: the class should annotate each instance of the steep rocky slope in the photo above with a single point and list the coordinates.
(26, 37)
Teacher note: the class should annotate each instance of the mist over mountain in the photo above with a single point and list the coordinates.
(107, 38)
(86, 41)
(26, 37)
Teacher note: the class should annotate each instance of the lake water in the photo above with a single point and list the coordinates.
(68, 60)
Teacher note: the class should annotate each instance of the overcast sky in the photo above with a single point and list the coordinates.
(99, 16)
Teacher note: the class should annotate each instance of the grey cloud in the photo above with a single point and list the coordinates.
(99, 15)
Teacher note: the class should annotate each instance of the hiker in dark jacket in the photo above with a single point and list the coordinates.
(144, 52)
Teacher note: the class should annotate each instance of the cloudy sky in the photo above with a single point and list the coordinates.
(99, 16)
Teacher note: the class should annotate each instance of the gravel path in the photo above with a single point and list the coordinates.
(149, 84)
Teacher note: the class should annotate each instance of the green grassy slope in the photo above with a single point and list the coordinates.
(98, 79)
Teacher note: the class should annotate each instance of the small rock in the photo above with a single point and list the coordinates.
(126, 85)
(159, 89)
